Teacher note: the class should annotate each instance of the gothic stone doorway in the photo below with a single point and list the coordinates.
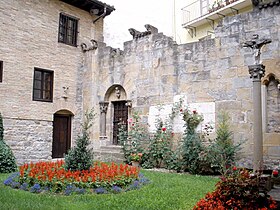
(120, 117)
(61, 135)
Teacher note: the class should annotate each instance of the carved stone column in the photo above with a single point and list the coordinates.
(103, 110)
(256, 73)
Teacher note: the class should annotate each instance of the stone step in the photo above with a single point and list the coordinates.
(107, 155)
(112, 148)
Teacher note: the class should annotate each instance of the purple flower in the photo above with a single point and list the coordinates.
(15, 185)
(24, 186)
(80, 190)
(36, 188)
(69, 189)
(8, 181)
(100, 190)
(116, 189)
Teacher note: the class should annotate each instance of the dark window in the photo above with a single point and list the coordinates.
(68, 30)
(43, 85)
(1, 71)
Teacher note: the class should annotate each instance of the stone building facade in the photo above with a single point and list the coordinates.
(210, 75)
(31, 44)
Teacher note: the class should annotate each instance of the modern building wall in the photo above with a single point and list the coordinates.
(167, 16)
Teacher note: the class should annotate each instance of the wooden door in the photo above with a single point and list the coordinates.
(61, 135)
(120, 117)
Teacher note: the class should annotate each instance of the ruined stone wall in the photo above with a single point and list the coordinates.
(29, 38)
(154, 70)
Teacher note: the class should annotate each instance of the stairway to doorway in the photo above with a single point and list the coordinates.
(109, 153)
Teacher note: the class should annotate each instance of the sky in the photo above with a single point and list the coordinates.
(135, 14)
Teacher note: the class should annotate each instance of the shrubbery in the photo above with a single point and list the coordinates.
(80, 156)
(156, 148)
(237, 190)
(7, 158)
(132, 142)
(192, 144)
(193, 153)
(222, 152)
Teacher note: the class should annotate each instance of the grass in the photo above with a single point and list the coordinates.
(166, 191)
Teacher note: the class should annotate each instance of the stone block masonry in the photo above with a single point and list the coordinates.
(31, 140)
(153, 70)
(29, 39)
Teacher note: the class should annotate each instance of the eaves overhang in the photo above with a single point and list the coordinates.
(90, 5)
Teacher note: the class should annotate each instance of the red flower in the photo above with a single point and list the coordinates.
(163, 129)
(194, 111)
(129, 120)
(234, 168)
(181, 110)
(275, 173)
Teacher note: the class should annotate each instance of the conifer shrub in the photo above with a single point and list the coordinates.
(7, 158)
(223, 151)
(80, 156)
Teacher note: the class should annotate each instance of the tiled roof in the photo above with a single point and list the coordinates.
(87, 5)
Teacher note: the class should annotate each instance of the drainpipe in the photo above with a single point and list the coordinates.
(101, 16)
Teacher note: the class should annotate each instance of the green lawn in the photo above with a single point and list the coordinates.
(166, 191)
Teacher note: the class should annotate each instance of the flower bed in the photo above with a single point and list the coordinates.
(51, 176)
(237, 190)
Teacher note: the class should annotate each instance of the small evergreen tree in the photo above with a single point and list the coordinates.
(7, 158)
(223, 150)
(80, 156)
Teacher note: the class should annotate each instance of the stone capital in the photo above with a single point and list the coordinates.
(103, 106)
(256, 71)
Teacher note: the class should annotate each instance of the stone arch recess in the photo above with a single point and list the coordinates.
(114, 106)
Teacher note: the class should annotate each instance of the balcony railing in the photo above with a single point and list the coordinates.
(200, 8)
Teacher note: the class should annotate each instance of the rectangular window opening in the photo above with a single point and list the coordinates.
(68, 30)
(43, 85)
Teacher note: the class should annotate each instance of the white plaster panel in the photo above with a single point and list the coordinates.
(207, 109)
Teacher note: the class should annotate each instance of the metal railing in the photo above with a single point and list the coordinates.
(199, 8)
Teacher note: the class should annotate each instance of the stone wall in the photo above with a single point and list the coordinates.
(29, 38)
(273, 108)
(30, 140)
(153, 70)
